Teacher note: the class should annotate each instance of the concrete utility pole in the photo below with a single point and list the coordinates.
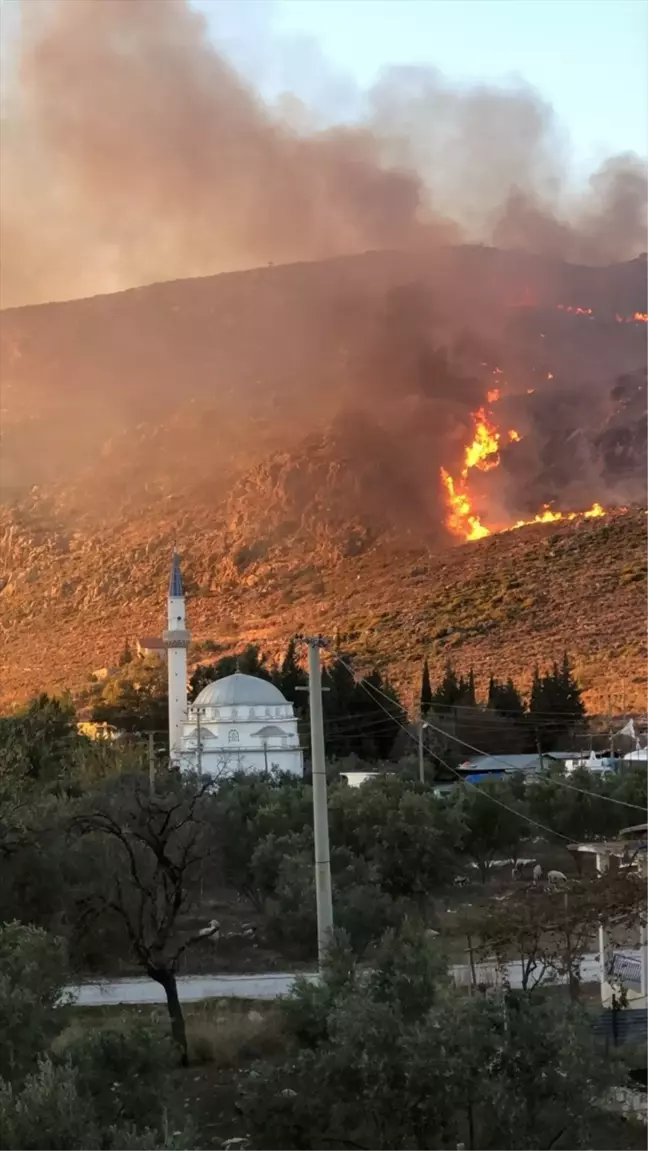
(198, 742)
(151, 763)
(323, 892)
(421, 761)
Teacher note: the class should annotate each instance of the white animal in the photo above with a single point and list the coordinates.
(211, 932)
(557, 877)
(537, 873)
(460, 881)
(431, 933)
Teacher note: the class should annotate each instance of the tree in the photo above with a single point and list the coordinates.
(493, 827)
(248, 662)
(401, 829)
(136, 700)
(555, 706)
(426, 689)
(360, 717)
(41, 743)
(289, 676)
(505, 699)
(454, 691)
(126, 655)
(153, 848)
(399, 1062)
(33, 969)
(102, 1088)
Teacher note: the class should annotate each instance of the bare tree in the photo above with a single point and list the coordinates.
(149, 853)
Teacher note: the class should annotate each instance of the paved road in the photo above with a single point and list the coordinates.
(266, 986)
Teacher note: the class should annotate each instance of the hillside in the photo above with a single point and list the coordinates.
(500, 604)
(288, 427)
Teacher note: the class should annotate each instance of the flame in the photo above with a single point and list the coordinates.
(574, 311)
(461, 519)
(547, 516)
(494, 395)
(484, 453)
(484, 445)
(635, 318)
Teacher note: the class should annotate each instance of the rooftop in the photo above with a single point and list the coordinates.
(237, 689)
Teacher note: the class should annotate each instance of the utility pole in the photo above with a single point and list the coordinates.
(265, 756)
(323, 891)
(151, 763)
(421, 761)
(198, 742)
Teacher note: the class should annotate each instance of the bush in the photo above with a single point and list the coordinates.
(50, 1111)
(33, 971)
(125, 1071)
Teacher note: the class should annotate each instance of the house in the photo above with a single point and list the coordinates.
(151, 645)
(480, 767)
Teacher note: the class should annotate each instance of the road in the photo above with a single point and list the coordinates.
(192, 988)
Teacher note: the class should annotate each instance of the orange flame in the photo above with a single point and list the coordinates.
(484, 445)
(483, 453)
(461, 519)
(546, 516)
(635, 318)
(493, 396)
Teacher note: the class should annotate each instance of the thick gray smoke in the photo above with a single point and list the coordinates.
(133, 152)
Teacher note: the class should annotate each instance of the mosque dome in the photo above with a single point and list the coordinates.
(237, 689)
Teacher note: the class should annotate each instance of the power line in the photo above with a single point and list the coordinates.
(511, 810)
(561, 783)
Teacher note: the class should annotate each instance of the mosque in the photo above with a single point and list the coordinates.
(238, 723)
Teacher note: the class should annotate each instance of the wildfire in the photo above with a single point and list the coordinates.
(635, 318)
(547, 516)
(574, 311)
(484, 453)
(461, 519)
(484, 445)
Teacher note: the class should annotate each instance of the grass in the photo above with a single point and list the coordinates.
(225, 1032)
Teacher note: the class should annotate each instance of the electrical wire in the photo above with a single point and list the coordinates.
(506, 763)
(511, 810)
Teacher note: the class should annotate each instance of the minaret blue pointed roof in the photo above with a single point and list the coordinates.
(175, 580)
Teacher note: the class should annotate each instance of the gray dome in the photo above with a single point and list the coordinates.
(239, 689)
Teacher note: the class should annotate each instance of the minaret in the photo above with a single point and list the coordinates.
(176, 638)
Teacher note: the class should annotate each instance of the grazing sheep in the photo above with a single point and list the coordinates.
(460, 881)
(557, 877)
(537, 873)
(211, 932)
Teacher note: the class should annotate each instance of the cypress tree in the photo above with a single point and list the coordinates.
(426, 689)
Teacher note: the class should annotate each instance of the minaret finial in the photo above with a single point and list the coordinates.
(176, 589)
(238, 664)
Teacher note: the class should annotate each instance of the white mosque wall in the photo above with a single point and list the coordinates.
(241, 737)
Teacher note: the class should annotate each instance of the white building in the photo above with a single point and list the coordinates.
(241, 723)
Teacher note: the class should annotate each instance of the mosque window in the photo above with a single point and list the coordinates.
(233, 736)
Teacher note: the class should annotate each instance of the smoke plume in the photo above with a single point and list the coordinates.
(132, 151)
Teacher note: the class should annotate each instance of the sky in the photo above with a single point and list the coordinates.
(588, 58)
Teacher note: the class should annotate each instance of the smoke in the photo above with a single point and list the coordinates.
(132, 151)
